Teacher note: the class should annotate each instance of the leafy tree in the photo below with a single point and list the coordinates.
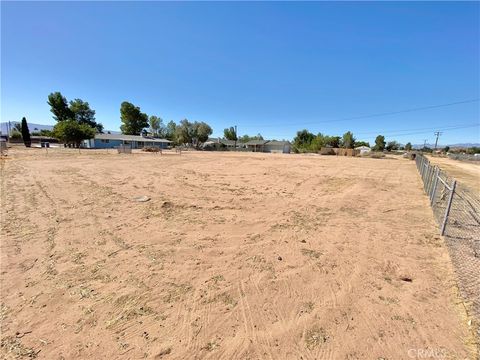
(26, 133)
(303, 140)
(184, 132)
(392, 145)
(72, 132)
(156, 125)
(170, 131)
(17, 127)
(318, 142)
(83, 114)
(362, 143)
(446, 149)
(379, 143)
(348, 141)
(473, 150)
(43, 132)
(230, 134)
(201, 132)
(333, 141)
(247, 138)
(59, 107)
(408, 146)
(15, 135)
(134, 121)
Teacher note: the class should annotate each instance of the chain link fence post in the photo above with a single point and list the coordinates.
(449, 205)
(434, 187)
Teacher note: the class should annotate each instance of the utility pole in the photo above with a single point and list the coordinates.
(235, 137)
(437, 134)
(424, 143)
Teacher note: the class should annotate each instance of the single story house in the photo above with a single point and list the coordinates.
(219, 144)
(256, 145)
(363, 150)
(110, 141)
(274, 146)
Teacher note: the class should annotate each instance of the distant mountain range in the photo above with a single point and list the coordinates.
(31, 126)
(35, 127)
(441, 146)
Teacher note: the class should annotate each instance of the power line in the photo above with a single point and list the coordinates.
(375, 114)
(425, 130)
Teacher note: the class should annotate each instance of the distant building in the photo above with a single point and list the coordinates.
(219, 144)
(282, 147)
(256, 145)
(363, 150)
(110, 141)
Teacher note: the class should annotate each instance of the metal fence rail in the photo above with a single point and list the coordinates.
(457, 212)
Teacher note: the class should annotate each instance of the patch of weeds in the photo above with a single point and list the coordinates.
(388, 300)
(211, 345)
(311, 253)
(226, 298)
(164, 352)
(4, 310)
(214, 280)
(128, 307)
(176, 292)
(77, 257)
(315, 336)
(307, 307)
(14, 346)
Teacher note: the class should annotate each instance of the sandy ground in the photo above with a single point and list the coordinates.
(467, 173)
(235, 256)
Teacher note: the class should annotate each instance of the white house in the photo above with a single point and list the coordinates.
(363, 150)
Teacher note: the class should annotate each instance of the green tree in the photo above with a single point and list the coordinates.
(72, 132)
(333, 141)
(317, 143)
(408, 146)
(348, 141)
(156, 125)
(201, 132)
(83, 114)
(184, 132)
(133, 120)
(303, 140)
(26, 133)
(362, 143)
(392, 145)
(170, 131)
(446, 149)
(59, 107)
(379, 143)
(230, 134)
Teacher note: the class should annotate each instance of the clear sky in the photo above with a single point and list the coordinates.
(270, 68)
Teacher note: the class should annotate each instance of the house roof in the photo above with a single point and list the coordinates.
(363, 148)
(275, 142)
(129, 138)
(256, 142)
(222, 141)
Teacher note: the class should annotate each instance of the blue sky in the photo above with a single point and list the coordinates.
(270, 68)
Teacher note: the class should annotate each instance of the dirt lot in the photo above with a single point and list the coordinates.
(235, 256)
(467, 173)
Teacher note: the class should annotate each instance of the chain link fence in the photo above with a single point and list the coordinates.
(457, 212)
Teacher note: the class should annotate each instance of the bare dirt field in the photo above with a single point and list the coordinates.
(235, 256)
(467, 173)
